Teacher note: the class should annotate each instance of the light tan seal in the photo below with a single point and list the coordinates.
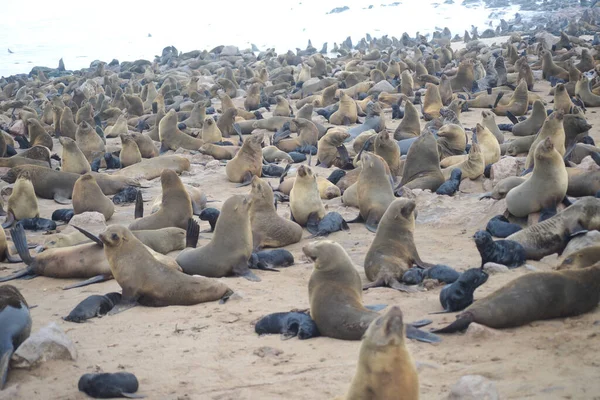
(130, 153)
(247, 162)
(268, 228)
(383, 355)
(488, 143)
(546, 187)
(471, 168)
(210, 131)
(517, 104)
(219, 152)
(410, 125)
(346, 113)
(422, 167)
(152, 168)
(533, 123)
(73, 159)
(87, 196)
(176, 206)
(172, 138)
(374, 189)
(388, 149)
(393, 250)
(22, 202)
(230, 248)
(305, 198)
(554, 129)
(88, 141)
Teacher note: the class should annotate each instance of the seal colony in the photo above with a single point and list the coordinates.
(287, 145)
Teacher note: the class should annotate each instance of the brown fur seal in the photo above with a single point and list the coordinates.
(451, 140)
(176, 206)
(553, 128)
(375, 192)
(5, 255)
(38, 135)
(517, 104)
(172, 138)
(273, 155)
(68, 127)
(210, 131)
(471, 168)
(383, 354)
(119, 128)
(22, 202)
(36, 155)
(282, 109)
(130, 152)
(154, 133)
(409, 126)
(220, 258)
(152, 168)
(547, 186)
(346, 113)
(88, 141)
(489, 121)
(145, 145)
(308, 135)
(247, 162)
(327, 150)
(73, 159)
(562, 100)
(164, 240)
(432, 102)
(552, 235)
(549, 68)
(581, 258)
(393, 250)
(150, 282)
(226, 121)
(197, 116)
(519, 145)
(465, 76)
(87, 196)
(582, 90)
(533, 123)
(388, 149)
(268, 228)
(305, 198)
(327, 190)
(533, 297)
(220, 152)
(422, 167)
(488, 143)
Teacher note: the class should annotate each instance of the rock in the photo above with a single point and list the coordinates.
(473, 387)
(49, 343)
(230, 51)
(382, 86)
(505, 167)
(588, 164)
(408, 193)
(91, 88)
(530, 267)
(265, 351)
(592, 238)
(472, 186)
(478, 331)
(214, 164)
(17, 128)
(494, 268)
(488, 185)
(88, 220)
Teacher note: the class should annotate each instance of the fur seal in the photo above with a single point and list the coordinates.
(393, 249)
(505, 252)
(472, 168)
(22, 203)
(150, 282)
(582, 90)
(346, 113)
(176, 205)
(67, 124)
(247, 162)
(15, 326)
(533, 297)
(172, 138)
(130, 153)
(386, 148)
(145, 145)
(374, 190)
(88, 141)
(218, 258)
(38, 135)
(422, 167)
(553, 128)
(409, 127)
(152, 168)
(210, 131)
(582, 258)
(73, 159)
(459, 295)
(533, 123)
(219, 152)
(288, 324)
(546, 187)
(489, 121)
(268, 228)
(87, 196)
(93, 306)
(432, 102)
(328, 149)
(517, 104)
(305, 200)
(383, 354)
(105, 386)
(500, 227)
(488, 143)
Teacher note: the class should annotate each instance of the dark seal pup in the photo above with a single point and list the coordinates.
(107, 386)
(289, 324)
(500, 227)
(93, 306)
(459, 295)
(505, 252)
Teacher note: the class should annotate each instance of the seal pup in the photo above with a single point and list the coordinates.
(93, 306)
(171, 138)
(176, 205)
(73, 159)
(106, 386)
(383, 354)
(422, 166)
(393, 249)
(546, 187)
(332, 222)
(277, 258)
(335, 295)
(268, 228)
(499, 226)
(305, 199)
(230, 248)
(505, 252)
(374, 189)
(459, 295)
(15, 326)
(150, 282)
(288, 324)
(22, 203)
(247, 161)
(533, 297)
(87, 196)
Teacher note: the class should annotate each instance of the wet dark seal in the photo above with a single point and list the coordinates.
(332, 222)
(505, 252)
(211, 215)
(459, 295)
(63, 214)
(127, 195)
(106, 386)
(500, 227)
(451, 186)
(93, 306)
(289, 324)
(277, 258)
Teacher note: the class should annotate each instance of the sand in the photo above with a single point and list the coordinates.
(210, 351)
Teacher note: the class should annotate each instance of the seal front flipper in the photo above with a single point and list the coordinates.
(6, 351)
(312, 223)
(376, 307)
(90, 281)
(372, 222)
(421, 323)
(125, 304)
(192, 234)
(512, 117)
(242, 270)
(246, 180)
(9, 221)
(546, 213)
(139, 206)
(421, 336)
(60, 199)
(90, 236)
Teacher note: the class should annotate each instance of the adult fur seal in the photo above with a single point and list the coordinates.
(268, 228)
(532, 297)
(546, 187)
(22, 203)
(15, 326)
(73, 159)
(335, 295)
(374, 189)
(305, 200)
(150, 282)
(87, 196)
(247, 162)
(176, 206)
(383, 354)
(422, 167)
(153, 168)
(130, 153)
(393, 249)
(172, 138)
(533, 123)
(552, 128)
(220, 258)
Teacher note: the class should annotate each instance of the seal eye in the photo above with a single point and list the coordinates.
(114, 236)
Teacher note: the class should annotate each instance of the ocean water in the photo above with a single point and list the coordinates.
(81, 32)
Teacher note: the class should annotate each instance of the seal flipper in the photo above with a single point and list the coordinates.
(60, 199)
(421, 323)
(12, 259)
(512, 117)
(90, 281)
(421, 336)
(242, 270)
(90, 236)
(20, 241)
(192, 234)
(462, 322)
(372, 223)
(139, 205)
(238, 130)
(125, 304)
(376, 307)
(6, 351)
(25, 273)
(394, 284)
(546, 213)
(344, 156)
(312, 223)
(196, 209)
(246, 181)
(9, 221)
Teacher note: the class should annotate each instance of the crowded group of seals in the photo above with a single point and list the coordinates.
(317, 131)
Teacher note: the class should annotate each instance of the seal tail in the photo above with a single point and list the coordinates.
(192, 234)
(139, 205)
(462, 322)
(20, 241)
(6, 352)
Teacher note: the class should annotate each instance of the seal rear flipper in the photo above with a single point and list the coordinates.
(20, 241)
(498, 98)
(90, 281)
(163, 148)
(241, 269)
(25, 273)
(196, 209)
(238, 130)
(487, 195)
(60, 199)
(132, 395)
(192, 234)
(246, 180)
(9, 221)
(226, 296)
(421, 323)
(512, 117)
(5, 354)
(139, 206)
(376, 307)
(312, 223)
(421, 336)
(462, 322)
(90, 236)
(372, 223)
(378, 283)
(12, 259)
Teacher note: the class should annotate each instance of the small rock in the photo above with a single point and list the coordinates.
(588, 164)
(494, 268)
(230, 51)
(91, 88)
(478, 331)
(49, 343)
(382, 87)
(88, 220)
(265, 351)
(530, 267)
(472, 186)
(473, 387)
(506, 167)
(17, 128)
(214, 164)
